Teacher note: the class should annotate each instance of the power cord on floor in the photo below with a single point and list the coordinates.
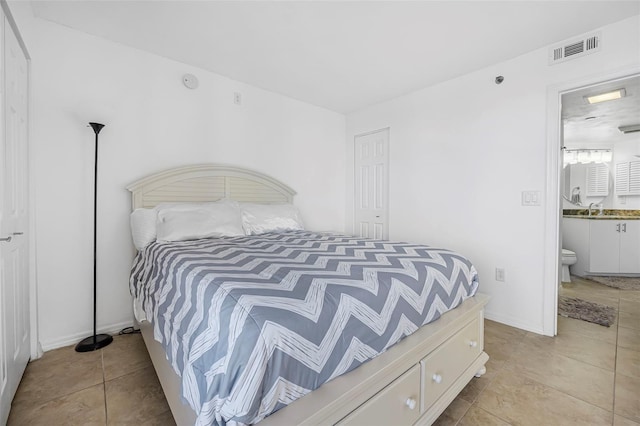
(129, 330)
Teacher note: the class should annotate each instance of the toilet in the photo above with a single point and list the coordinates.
(568, 258)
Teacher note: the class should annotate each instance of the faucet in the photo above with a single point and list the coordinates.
(590, 206)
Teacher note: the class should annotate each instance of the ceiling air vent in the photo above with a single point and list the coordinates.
(575, 48)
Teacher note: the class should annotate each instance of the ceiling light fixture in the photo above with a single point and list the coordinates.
(609, 96)
(630, 129)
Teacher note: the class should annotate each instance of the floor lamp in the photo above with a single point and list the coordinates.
(96, 341)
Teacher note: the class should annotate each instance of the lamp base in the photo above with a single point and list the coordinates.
(93, 343)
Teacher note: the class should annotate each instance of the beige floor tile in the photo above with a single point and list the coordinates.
(84, 407)
(164, 419)
(59, 372)
(629, 338)
(630, 295)
(628, 362)
(478, 384)
(521, 401)
(593, 292)
(453, 413)
(586, 349)
(135, 398)
(630, 306)
(576, 378)
(125, 355)
(629, 320)
(502, 331)
(587, 329)
(477, 416)
(621, 421)
(628, 397)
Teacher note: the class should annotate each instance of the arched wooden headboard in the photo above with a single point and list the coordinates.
(208, 182)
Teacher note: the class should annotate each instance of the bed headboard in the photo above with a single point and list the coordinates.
(208, 182)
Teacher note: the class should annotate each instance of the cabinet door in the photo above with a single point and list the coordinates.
(630, 246)
(604, 246)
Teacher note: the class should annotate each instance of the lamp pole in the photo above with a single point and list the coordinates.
(96, 341)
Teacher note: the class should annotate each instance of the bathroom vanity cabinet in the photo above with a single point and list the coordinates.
(602, 246)
(614, 246)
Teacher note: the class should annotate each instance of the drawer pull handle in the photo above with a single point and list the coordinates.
(473, 343)
(437, 378)
(411, 403)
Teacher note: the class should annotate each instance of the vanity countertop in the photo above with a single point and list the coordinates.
(607, 214)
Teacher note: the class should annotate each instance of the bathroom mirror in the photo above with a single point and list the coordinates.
(585, 184)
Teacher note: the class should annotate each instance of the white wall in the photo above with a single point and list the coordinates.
(152, 122)
(461, 153)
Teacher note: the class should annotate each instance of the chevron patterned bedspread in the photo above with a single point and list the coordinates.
(253, 323)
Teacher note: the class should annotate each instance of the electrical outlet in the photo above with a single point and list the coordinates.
(500, 274)
(237, 98)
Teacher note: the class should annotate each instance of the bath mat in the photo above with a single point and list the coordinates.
(587, 311)
(623, 283)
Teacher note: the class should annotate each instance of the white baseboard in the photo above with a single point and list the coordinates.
(513, 322)
(72, 339)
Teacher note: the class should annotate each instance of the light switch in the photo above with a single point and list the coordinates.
(530, 198)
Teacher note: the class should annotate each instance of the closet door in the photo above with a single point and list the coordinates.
(14, 214)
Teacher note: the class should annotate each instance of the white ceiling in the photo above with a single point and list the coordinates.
(339, 55)
(596, 126)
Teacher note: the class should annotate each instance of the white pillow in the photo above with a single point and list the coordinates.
(143, 227)
(206, 220)
(261, 218)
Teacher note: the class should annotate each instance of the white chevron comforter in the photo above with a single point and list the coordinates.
(253, 323)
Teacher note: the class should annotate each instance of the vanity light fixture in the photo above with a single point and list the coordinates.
(585, 156)
(608, 96)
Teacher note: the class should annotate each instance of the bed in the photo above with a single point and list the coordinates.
(298, 327)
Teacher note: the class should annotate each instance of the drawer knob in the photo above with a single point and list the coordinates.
(437, 378)
(473, 344)
(411, 403)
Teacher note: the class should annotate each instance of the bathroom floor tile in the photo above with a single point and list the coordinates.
(622, 421)
(629, 320)
(628, 363)
(627, 402)
(630, 306)
(520, 400)
(630, 295)
(629, 338)
(591, 291)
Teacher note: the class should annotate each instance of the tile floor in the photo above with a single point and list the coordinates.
(587, 375)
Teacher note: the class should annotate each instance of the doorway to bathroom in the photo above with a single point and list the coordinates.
(599, 185)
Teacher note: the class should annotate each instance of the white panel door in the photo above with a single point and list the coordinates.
(372, 184)
(14, 249)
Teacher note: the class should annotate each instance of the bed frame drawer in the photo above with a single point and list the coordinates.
(444, 365)
(396, 404)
